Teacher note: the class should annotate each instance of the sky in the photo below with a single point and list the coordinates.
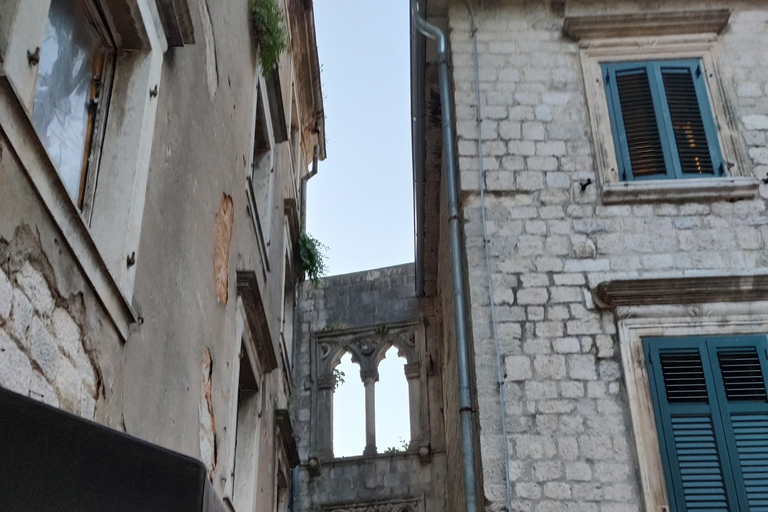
(360, 204)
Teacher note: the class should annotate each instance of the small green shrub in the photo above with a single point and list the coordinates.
(312, 254)
(338, 378)
(271, 34)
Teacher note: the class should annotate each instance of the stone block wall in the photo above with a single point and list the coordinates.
(42, 350)
(351, 302)
(552, 242)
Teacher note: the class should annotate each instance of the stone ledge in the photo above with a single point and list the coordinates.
(676, 191)
(682, 290)
(646, 24)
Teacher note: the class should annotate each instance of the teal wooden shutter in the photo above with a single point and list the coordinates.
(693, 137)
(693, 446)
(638, 128)
(741, 363)
(662, 120)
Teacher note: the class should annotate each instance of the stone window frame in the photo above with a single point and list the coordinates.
(243, 338)
(638, 322)
(368, 346)
(739, 183)
(262, 113)
(105, 244)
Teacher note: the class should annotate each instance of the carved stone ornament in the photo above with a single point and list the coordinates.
(367, 347)
(390, 506)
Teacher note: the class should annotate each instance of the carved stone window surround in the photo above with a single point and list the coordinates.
(368, 347)
(407, 505)
(696, 320)
(656, 44)
(673, 306)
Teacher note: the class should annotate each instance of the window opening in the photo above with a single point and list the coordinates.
(662, 120)
(393, 427)
(262, 171)
(73, 78)
(348, 410)
(283, 495)
(711, 416)
(286, 325)
(247, 436)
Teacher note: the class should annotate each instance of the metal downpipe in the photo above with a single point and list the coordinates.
(304, 180)
(454, 226)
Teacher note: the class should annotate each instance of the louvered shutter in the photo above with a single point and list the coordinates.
(662, 120)
(741, 364)
(698, 473)
(635, 113)
(693, 139)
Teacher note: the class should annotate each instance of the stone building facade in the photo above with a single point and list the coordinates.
(150, 195)
(583, 265)
(581, 271)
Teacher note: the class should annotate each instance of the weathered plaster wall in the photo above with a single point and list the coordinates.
(173, 382)
(381, 297)
(56, 344)
(551, 243)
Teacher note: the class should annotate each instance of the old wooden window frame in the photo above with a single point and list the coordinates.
(100, 91)
(108, 237)
(263, 147)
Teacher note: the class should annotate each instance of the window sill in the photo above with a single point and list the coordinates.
(676, 191)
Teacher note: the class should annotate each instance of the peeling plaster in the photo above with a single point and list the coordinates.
(207, 421)
(224, 223)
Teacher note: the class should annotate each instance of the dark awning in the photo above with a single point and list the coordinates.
(51, 460)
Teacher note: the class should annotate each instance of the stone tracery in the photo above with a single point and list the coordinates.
(368, 347)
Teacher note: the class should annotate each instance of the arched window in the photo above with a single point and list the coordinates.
(348, 409)
(393, 426)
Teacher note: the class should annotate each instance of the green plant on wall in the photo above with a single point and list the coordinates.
(401, 449)
(271, 34)
(338, 378)
(312, 254)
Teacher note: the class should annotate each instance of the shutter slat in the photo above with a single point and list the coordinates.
(683, 376)
(687, 124)
(742, 374)
(703, 485)
(646, 154)
(752, 449)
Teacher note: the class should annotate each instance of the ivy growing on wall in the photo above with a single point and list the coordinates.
(312, 254)
(271, 34)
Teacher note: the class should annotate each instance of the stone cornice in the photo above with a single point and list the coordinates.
(682, 290)
(646, 24)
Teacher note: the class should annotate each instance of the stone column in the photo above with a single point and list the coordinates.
(324, 411)
(370, 378)
(413, 374)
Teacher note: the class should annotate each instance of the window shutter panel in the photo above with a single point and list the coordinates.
(689, 133)
(640, 123)
(741, 364)
(690, 432)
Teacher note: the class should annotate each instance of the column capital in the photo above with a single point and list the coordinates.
(412, 370)
(369, 376)
(326, 381)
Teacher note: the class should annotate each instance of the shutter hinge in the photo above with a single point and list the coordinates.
(607, 77)
(698, 71)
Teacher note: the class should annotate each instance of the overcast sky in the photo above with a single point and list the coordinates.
(360, 204)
